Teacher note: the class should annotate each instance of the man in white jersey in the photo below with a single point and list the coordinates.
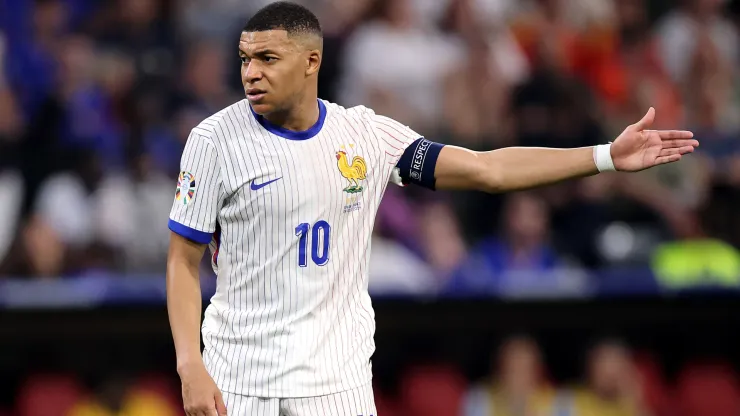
(284, 187)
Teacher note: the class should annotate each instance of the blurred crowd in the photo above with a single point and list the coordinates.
(615, 381)
(97, 99)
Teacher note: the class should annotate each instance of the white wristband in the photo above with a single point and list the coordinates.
(603, 158)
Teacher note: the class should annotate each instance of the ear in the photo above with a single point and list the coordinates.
(313, 61)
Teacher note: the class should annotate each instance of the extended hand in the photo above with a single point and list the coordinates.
(638, 148)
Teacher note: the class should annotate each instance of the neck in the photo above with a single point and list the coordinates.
(301, 116)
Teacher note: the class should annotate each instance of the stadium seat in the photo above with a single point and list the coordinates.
(48, 395)
(708, 389)
(159, 384)
(155, 391)
(654, 388)
(432, 391)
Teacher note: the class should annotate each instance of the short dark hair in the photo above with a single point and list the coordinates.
(284, 15)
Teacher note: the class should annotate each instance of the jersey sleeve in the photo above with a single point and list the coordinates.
(394, 137)
(195, 208)
(411, 157)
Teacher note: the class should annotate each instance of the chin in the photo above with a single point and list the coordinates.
(262, 108)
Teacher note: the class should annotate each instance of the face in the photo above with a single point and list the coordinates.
(520, 366)
(275, 69)
(609, 370)
(527, 218)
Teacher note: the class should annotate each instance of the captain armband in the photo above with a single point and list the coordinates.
(417, 164)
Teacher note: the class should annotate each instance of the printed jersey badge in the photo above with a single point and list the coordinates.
(185, 187)
(354, 171)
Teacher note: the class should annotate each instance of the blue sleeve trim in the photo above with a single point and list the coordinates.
(418, 162)
(190, 233)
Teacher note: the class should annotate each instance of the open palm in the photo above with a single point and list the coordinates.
(639, 148)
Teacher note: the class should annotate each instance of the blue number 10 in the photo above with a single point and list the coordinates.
(319, 240)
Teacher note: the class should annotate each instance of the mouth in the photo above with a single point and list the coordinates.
(254, 94)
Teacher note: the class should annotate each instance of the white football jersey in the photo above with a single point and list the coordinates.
(289, 217)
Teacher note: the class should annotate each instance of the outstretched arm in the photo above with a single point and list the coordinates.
(517, 168)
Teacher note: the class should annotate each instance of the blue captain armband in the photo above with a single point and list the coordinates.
(418, 162)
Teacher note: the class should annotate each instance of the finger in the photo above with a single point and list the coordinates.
(676, 151)
(646, 121)
(667, 159)
(220, 405)
(669, 144)
(674, 134)
(669, 152)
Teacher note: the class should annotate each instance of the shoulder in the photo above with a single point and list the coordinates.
(224, 124)
(358, 118)
(358, 112)
(362, 115)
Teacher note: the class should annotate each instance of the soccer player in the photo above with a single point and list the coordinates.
(284, 187)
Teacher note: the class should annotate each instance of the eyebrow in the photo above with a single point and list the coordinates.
(260, 52)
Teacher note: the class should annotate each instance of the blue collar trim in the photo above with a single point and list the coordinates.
(290, 134)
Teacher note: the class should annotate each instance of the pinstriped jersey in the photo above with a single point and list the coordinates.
(289, 217)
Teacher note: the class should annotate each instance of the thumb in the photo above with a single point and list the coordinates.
(646, 121)
(220, 406)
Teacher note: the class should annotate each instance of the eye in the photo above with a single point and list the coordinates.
(269, 59)
(244, 59)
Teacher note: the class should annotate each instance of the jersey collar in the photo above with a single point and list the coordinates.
(290, 134)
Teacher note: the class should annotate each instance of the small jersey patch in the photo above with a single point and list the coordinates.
(354, 170)
(185, 187)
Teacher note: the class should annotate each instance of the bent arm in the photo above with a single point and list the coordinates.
(184, 298)
(511, 168)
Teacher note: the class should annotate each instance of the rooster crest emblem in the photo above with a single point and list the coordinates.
(354, 172)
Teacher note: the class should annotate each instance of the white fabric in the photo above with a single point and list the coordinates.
(603, 158)
(282, 324)
(355, 402)
(408, 64)
(678, 37)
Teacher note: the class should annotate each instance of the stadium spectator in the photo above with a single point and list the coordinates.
(700, 49)
(517, 386)
(518, 258)
(612, 386)
(382, 61)
(125, 81)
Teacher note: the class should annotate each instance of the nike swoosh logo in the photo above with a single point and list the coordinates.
(255, 186)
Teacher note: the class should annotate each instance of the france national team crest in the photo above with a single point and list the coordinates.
(185, 187)
(354, 171)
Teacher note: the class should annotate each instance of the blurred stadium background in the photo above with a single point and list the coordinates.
(612, 295)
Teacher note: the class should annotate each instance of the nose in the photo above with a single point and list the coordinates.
(252, 72)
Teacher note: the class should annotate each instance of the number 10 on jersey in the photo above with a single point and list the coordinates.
(320, 237)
